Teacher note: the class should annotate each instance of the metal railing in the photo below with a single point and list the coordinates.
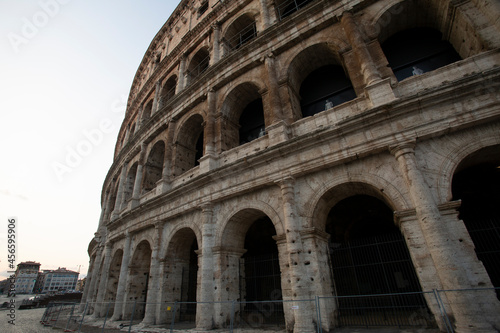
(242, 37)
(397, 311)
(289, 7)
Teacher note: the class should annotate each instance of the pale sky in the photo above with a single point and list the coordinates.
(66, 68)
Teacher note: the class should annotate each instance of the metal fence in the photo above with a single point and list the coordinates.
(397, 311)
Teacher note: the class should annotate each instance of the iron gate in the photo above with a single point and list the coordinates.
(374, 266)
(485, 233)
(260, 280)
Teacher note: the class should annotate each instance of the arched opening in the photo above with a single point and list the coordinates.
(251, 269)
(325, 88)
(317, 80)
(189, 145)
(369, 256)
(113, 277)
(153, 169)
(285, 8)
(245, 116)
(251, 121)
(146, 112)
(138, 277)
(198, 64)
(261, 277)
(132, 132)
(181, 272)
(111, 201)
(241, 31)
(477, 184)
(168, 90)
(128, 189)
(416, 51)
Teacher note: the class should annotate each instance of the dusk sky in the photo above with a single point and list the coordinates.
(65, 73)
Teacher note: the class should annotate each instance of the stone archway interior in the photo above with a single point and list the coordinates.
(138, 280)
(260, 276)
(369, 256)
(477, 184)
(114, 275)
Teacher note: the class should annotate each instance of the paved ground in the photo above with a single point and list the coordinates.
(28, 321)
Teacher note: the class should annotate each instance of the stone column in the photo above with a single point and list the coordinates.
(216, 46)
(168, 159)
(276, 112)
(442, 248)
(298, 272)
(227, 281)
(122, 280)
(156, 103)
(136, 193)
(119, 194)
(87, 283)
(154, 287)
(317, 253)
(204, 311)
(365, 60)
(265, 14)
(210, 123)
(208, 160)
(94, 280)
(181, 83)
(101, 291)
(103, 209)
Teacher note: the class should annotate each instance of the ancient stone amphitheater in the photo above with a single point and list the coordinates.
(296, 150)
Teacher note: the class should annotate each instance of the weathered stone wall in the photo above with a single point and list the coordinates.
(400, 142)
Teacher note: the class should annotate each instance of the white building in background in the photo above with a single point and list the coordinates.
(60, 279)
(26, 275)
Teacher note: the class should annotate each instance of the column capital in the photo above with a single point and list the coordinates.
(286, 183)
(403, 148)
(207, 207)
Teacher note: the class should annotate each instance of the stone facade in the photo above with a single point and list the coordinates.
(219, 150)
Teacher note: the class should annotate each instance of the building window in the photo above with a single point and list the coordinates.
(417, 51)
(240, 32)
(203, 8)
(325, 88)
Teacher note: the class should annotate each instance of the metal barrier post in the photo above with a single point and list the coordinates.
(83, 316)
(69, 318)
(231, 324)
(58, 313)
(318, 312)
(173, 318)
(447, 323)
(132, 317)
(106, 317)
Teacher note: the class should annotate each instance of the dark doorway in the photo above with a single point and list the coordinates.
(325, 88)
(369, 257)
(261, 282)
(417, 51)
(252, 121)
(478, 186)
(189, 285)
(199, 149)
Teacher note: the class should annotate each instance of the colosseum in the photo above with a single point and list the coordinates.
(307, 165)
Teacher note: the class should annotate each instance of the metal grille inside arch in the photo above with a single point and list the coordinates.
(369, 257)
